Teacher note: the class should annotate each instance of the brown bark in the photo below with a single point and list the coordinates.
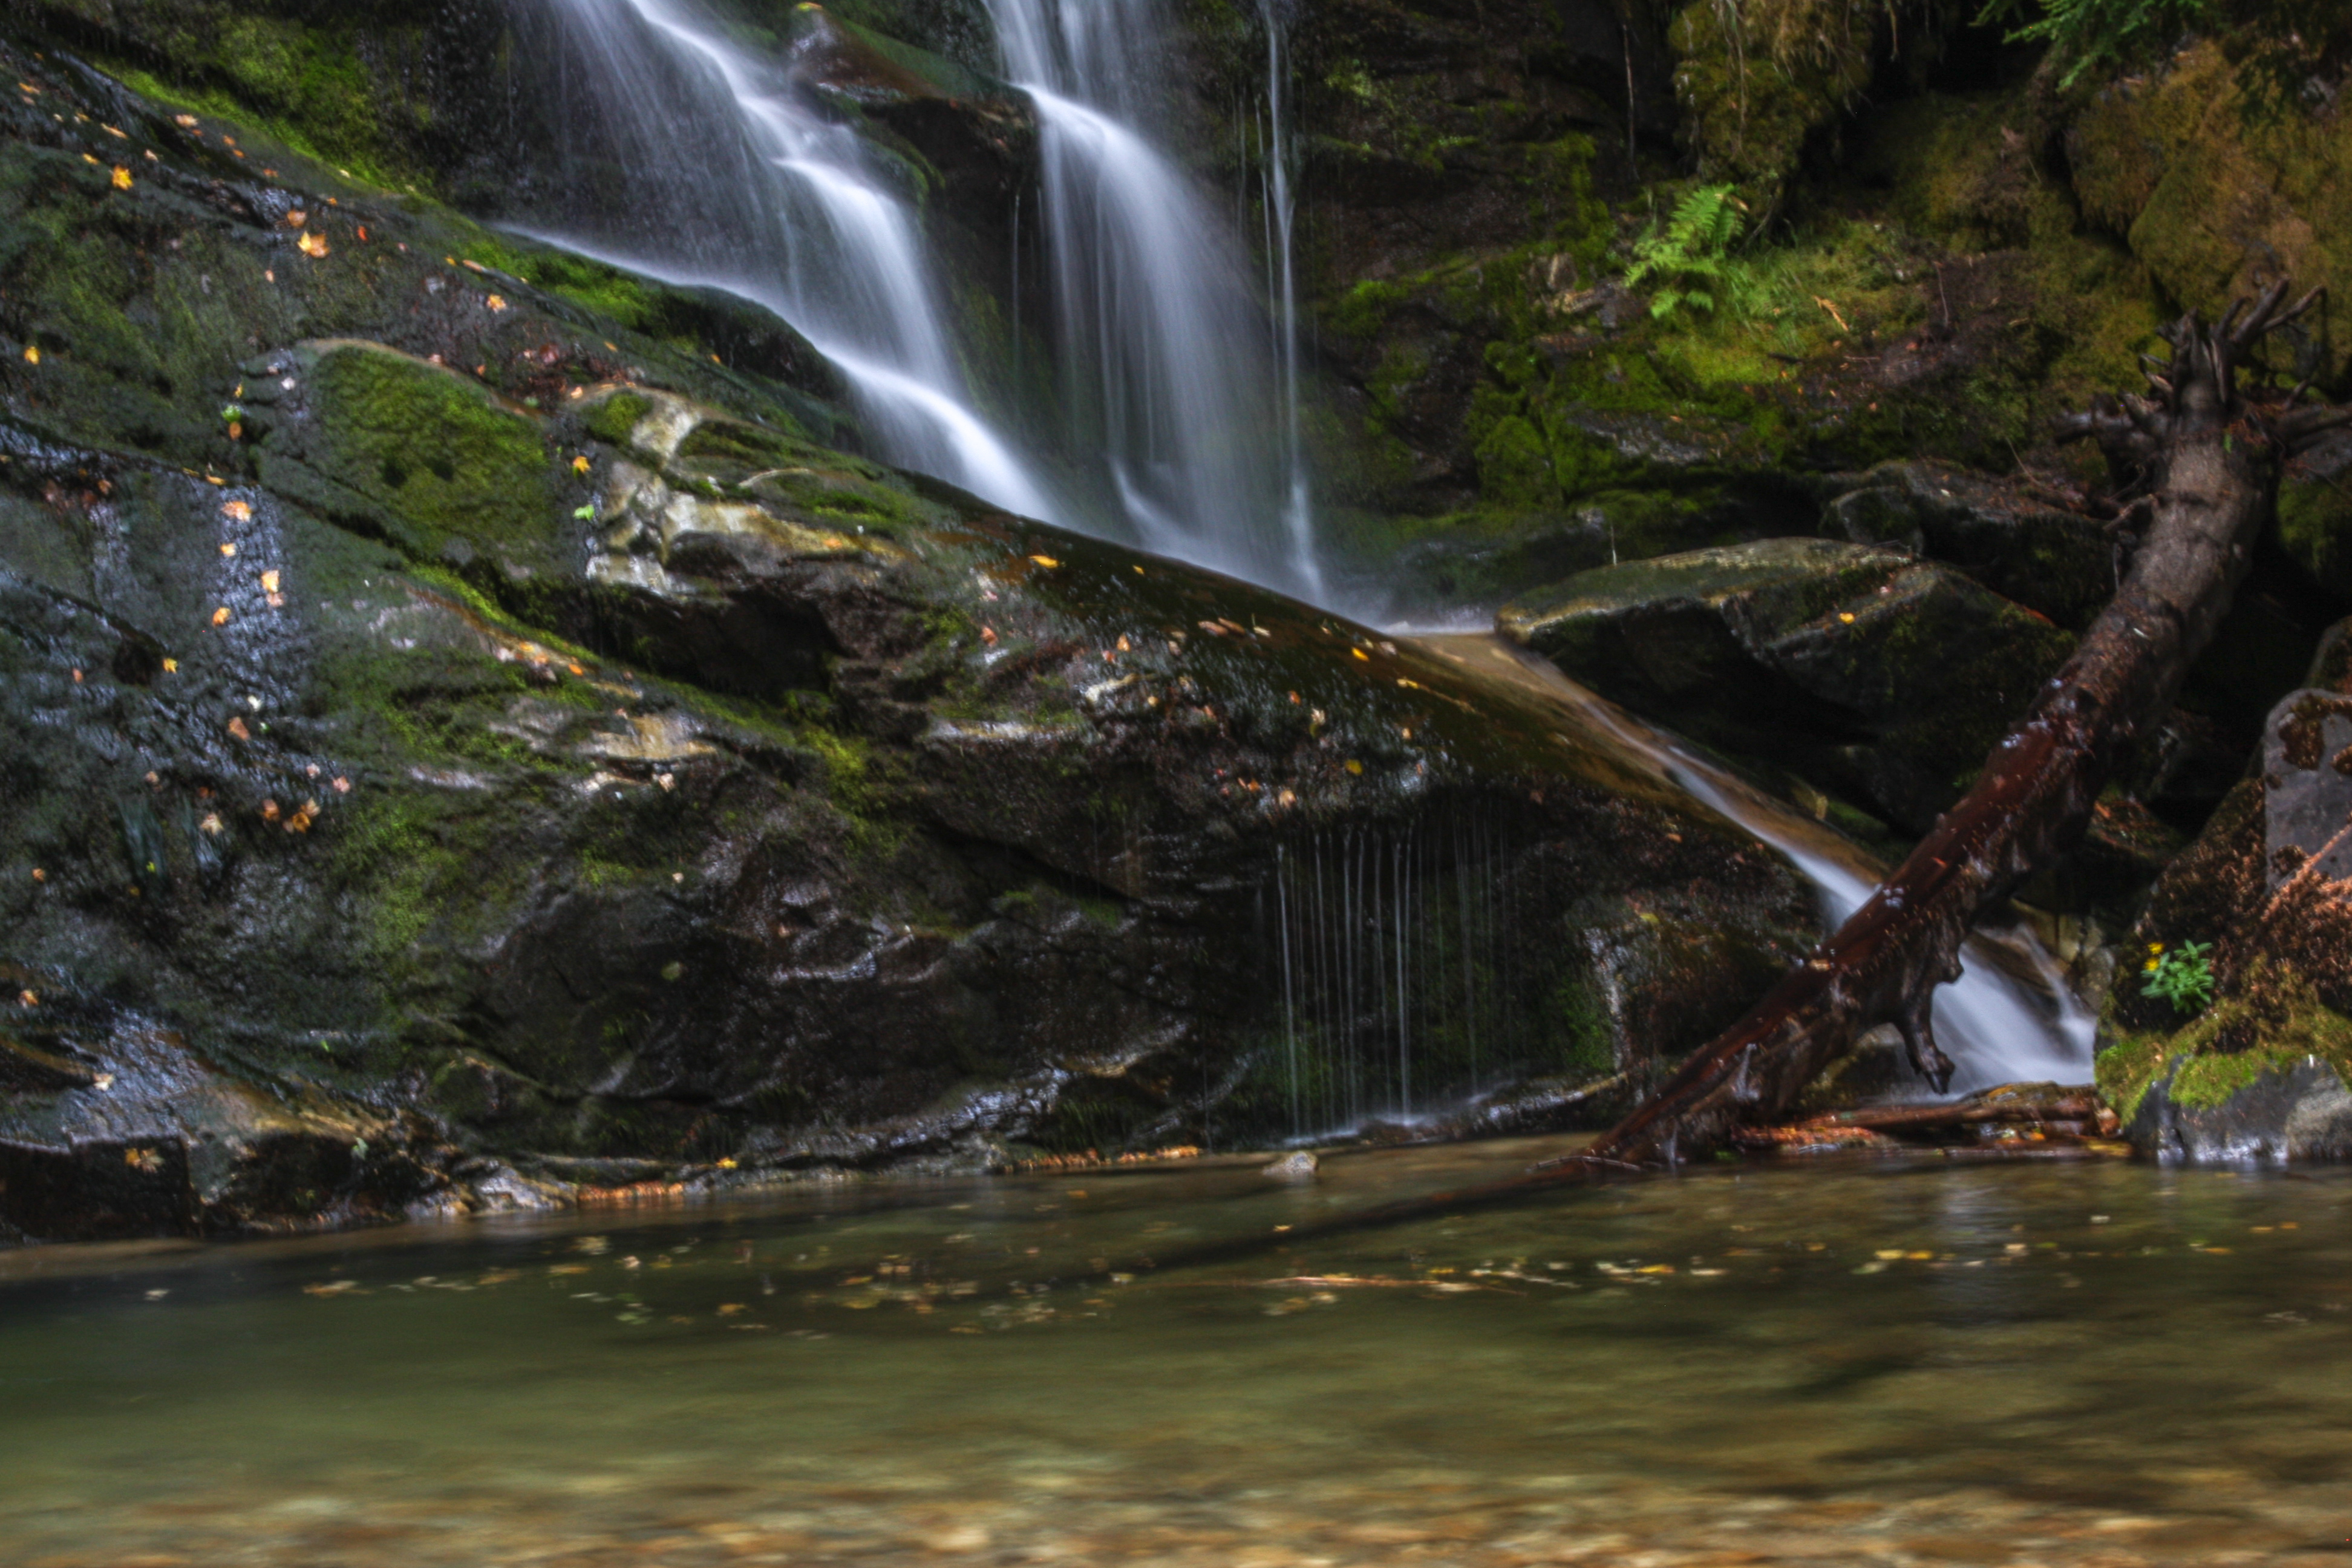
(2200, 459)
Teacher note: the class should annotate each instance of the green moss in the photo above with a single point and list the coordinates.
(616, 417)
(1757, 79)
(438, 460)
(2315, 526)
(2273, 1022)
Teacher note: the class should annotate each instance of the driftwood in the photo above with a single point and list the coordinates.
(2199, 460)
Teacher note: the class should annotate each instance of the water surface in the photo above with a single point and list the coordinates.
(2098, 1363)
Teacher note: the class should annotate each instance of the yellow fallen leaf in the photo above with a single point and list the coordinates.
(237, 728)
(313, 244)
(297, 218)
(170, 666)
(220, 616)
(32, 354)
(110, 130)
(229, 549)
(1354, 766)
(580, 464)
(1359, 653)
(497, 302)
(241, 512)
(121, 177)
(1845, 617)
(269, 581)
(1045, 561)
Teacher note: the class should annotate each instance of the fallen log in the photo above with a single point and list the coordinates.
(2199, 460)
(1901, 1117)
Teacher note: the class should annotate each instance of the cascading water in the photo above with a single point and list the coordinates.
(710, 169)
(2010, 1016)
(1169, 389)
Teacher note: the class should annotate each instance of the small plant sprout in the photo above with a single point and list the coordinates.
(2181, 975)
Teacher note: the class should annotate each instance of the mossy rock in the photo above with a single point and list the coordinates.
(2314, 515)
(2214, 200)
(2258, 1076)
(2015, 542)
(1873, 673)
(435, 462)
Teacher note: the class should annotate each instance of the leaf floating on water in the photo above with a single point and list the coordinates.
(313, 244)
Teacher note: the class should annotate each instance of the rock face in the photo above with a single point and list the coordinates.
(2259, 1072)
(470, 748)
(2285, 1115)
(1887, 676)
(2025, 547)
(2306, 781)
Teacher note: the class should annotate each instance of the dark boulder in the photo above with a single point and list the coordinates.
(1879, 675)
(471, 750)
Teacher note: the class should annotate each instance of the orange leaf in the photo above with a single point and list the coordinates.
(313, 244)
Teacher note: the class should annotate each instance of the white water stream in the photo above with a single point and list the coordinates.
(735, 181)
(2011, 1017)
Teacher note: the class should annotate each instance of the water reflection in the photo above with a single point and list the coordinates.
(1874, 1364)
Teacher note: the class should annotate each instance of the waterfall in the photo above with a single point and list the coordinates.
(2011, 1017)
(711, 170)
(1171, 395)
(700, 160)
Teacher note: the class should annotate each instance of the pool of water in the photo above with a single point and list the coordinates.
(2105, 1363)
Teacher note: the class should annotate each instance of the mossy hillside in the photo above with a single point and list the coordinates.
(146, 303)
(335, 87)
(2214, 198)
(1756, 81)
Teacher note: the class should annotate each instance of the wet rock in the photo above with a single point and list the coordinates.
(523, 743)
(1299, 1164)
(2004, 533)
(2306, 782)
(1883, 676)
(2285, 1114)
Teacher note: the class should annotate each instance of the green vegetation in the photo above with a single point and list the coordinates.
(1691, 257)
(2182, 976)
